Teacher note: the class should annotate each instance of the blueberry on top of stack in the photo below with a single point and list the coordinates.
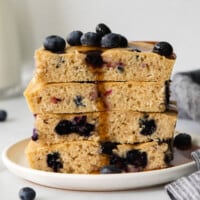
(103, 37)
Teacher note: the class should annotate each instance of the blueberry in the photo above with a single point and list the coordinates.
(118, 161)
(102, 29)
(120, 67)
(163, 48)
(110, 169)
(168, 157)
(54, 161)
(78, 100)
(90, 39)
(136, 158)
(78, 125)
(107, 147)
(124, 42)
(85, 130)
(81, 126)
(183, 141)
(113, 40)
(64, 127)
(27, 193)
(54, 44)
(148, 126)
(35, 135)
(74, 38)
(79, 120)
(3, 115)
(94, 58)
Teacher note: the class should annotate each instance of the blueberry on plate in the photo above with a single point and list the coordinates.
(110, 169)
(3, 115)
(183, 141)
(74, 38)
(54, 44)
(113, 40)
(90, 39)
(163, 48)
(102, 29)
(27, 193)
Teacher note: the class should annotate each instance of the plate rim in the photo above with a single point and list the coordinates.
(11, 165)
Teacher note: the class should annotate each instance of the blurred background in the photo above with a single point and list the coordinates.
(175, 21)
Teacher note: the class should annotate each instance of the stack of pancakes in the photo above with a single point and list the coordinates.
(89, 116)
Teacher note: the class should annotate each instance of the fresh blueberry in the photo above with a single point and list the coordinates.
(94, 58)
(148, 126)
(124, 42)
(163, 48)
(54, 161)
(64, 127)
(110, 169)
(136, 158)
(102, 29)
(107, 147)
(3, 115)
(78, 100)
(74, 38)
(54, 44)
(183, 141)
(113, 40)
(90, 39)
(27, 193)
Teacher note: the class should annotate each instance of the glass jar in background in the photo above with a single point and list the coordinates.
(10, 66)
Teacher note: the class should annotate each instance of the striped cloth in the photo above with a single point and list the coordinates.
(186, 188)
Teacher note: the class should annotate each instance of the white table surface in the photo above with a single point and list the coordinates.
(19, 125)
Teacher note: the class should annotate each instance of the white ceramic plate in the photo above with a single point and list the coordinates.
(14, 158)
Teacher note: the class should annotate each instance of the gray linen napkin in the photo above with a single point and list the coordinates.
(185, 88)
(186, 188)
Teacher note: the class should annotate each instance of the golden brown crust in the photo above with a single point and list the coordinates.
(120, 64)
(91, 97)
